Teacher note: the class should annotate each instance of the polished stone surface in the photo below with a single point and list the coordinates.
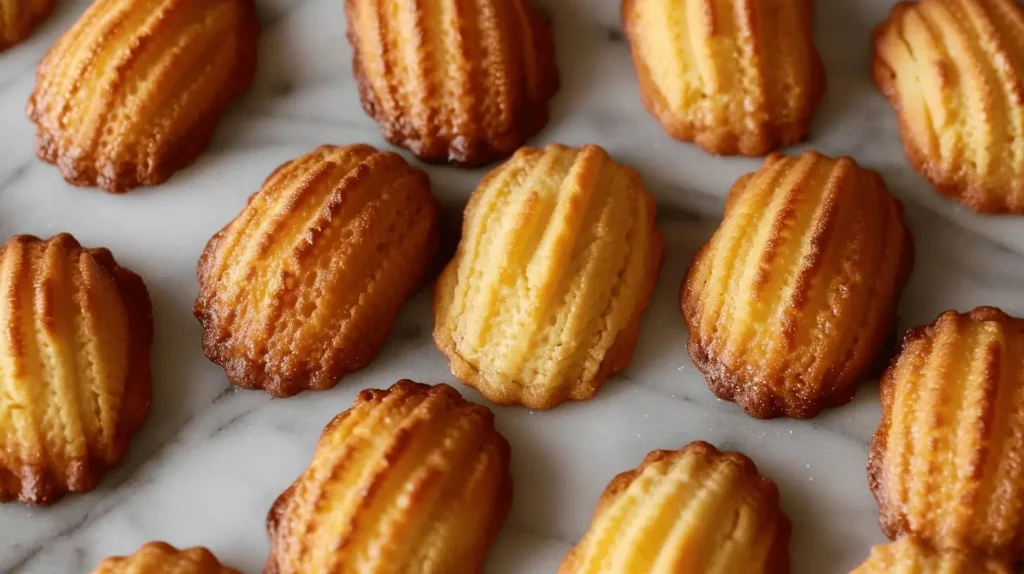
(210, 460)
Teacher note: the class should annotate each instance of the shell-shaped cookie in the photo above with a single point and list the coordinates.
(790, 301)
(304, 285)
(734, 76)
(465, 81)
(954, 71)
(910, 556)
(75, 332)
(558, 258)
(132, 92)
(691, 510)
(162, 558)
(413, 479)
(947, 461)
(19, 18)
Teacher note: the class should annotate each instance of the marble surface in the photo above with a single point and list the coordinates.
(210, 459)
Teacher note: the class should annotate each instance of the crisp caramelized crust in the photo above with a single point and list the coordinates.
(132, 92)
(954, 71)
(558, 258)
(75, 332)
(794, 295)
(162, 558)
(19, 18)
(304, 285)
(691, 510)
(465, 81)
(910, 556)
(734, 76)
(413, 479)
(947, 461)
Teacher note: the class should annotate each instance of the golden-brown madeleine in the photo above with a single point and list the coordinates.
(954, 71)
(690, 510)
(947, 461)
(910, 556)
(19, 18)
(734, 76)
(132, 92)
(790, 301)
(75, 332)
(162, 558)
(465, 81)
(558, 258)
(304, 285)
(413, 479)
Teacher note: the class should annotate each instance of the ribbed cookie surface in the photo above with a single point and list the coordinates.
(558, 258)
(412, 480)
(910, 556)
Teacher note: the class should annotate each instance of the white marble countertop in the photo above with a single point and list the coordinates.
(210, 459)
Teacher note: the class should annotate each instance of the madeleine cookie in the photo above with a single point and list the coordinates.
(947, 461)
(734, 76)
(413, 479)
(465, 81)
(75, 331)
(795, 294)
(909, 556)
(162, 558)
(954, 71)
(132, 92)
(558, 258)
(19, 18)
(690, 510)
(304, 285)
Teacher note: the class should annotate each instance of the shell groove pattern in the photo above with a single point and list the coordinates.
(793, 297)
(18, 19)
(910, 556)
(75, 332)
(558, 258)
(954, 71)
(465, 81)
(304, 285)
(132, 92)
(410, 480)
(734, 76)
(947, 461)
(162, 558)
(691, 510)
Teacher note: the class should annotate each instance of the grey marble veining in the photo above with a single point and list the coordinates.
(210, 460)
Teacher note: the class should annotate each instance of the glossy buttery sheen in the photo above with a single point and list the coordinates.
(735, 76)
(947, 461)
(791, 300)
(304, 285)
(132, 92)
(954, 70)
(558, 258)
(412, 480)
(75, 332)
(691, 510)
(466, 81)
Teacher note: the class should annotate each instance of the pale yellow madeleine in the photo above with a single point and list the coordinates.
(947, 461)
(559, 255)
(465, 81)
(75, 332)
(691, 510)
(132, 92)
(734, 76)
(412, 480)
(954, 71)
(18, 18)
(304, 285)
(910, 556)
(791, 300)
(162, 558)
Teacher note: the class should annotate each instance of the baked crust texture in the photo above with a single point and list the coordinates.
(162, 558)
(910, 556)
(20, 18)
